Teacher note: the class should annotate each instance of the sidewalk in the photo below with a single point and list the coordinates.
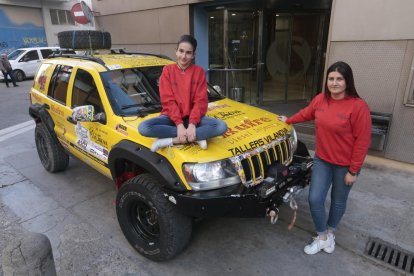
(74, 210)
(380, 205)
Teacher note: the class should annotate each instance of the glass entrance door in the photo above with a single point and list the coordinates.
(259, 56)
(232, 53)
(292, 57)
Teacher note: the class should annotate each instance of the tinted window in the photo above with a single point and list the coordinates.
(60, 81)
(85, 91)
(46, 52)
(31, 55)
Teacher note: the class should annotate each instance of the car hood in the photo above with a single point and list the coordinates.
(248, 128)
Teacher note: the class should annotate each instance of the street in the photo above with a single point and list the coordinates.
(75, 209)
(14, 103)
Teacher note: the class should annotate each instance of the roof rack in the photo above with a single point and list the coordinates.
(90, 58)
(122, 51)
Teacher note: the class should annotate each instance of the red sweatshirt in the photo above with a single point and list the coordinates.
(183, 93)
(343, 129)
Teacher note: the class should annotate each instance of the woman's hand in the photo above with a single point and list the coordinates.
(191, 133)
(181, 134)
(350, 179)
(282, 118)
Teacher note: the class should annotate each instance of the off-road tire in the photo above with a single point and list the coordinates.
(19, 75)
(149, 221)
(84, 40)
(51, 153)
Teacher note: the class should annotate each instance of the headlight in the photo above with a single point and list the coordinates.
(293, 140)
(212, 175)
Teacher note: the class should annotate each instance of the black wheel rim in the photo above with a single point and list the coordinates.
(42, 149)
(144, 221)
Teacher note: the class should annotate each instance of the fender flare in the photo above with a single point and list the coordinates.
(153, 163)
(40, 114)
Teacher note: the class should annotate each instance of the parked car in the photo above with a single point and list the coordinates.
(25, 61)
(90, 107)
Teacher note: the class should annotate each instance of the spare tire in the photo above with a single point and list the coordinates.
(84, 40)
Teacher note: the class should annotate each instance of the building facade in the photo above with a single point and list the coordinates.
(273, 52)
(30, 23)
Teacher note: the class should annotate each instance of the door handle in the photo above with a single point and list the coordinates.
(70, 120)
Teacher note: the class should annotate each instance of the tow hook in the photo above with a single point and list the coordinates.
(273, 213)
(290, 197)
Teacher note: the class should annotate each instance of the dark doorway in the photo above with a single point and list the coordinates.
(292, 57)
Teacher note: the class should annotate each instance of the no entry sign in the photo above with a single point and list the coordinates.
(78, 15)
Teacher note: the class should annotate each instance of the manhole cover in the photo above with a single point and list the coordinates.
(391, 255)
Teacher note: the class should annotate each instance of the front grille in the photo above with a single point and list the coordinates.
(253, 166)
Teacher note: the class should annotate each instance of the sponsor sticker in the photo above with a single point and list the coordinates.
(265, 141)
(121, 129)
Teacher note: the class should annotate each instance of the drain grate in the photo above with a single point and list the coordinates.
(390, 254)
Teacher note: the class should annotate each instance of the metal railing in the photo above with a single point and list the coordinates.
(235, 81)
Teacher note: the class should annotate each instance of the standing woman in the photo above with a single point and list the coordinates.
(343, 135)
(184, 100)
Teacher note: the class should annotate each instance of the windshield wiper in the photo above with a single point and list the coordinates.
(140, 112)
(215, 97)
(152, 105)
(129, 106)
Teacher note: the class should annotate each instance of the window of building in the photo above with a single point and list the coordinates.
(61, 17)
(85, 91)
(60, 81)
(409, 94)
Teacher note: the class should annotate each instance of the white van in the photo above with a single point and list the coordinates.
(25, 61)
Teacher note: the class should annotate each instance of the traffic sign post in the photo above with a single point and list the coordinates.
(81, 13)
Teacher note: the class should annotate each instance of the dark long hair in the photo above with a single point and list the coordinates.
(345, 70)
(189, 39)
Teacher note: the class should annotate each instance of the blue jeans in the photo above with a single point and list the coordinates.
(163, 127)
(323, 175)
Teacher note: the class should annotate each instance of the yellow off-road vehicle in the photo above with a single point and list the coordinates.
(90, 107)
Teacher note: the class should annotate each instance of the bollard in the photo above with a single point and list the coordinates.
(29, 255)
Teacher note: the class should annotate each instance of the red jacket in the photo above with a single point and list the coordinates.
(343, 129)
(183, 93)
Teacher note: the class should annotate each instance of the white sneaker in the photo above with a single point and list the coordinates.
(202, 144)
(331, 248)
(161, 143)
(318, 245)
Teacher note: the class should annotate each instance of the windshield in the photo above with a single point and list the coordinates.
(15, 54)
(135, 91)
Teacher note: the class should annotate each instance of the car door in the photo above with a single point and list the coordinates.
(29, 62)
(89, 140)
(56, 100)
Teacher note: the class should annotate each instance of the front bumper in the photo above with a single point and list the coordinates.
(239, 201)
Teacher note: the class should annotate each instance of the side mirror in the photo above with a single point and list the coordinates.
(84, 113)
(217, 88)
